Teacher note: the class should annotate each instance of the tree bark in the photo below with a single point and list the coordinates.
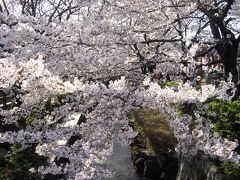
(228, 53)
(228, 44)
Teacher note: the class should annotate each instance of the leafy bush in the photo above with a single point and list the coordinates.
(16, 164)
(168, 83)
(231, 169)
(225, 115)
(55, 101)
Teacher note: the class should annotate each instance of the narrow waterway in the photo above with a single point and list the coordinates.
(120, 163)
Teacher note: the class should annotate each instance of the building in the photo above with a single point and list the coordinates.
(208, 73)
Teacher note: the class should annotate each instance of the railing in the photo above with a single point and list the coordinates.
(5, 98)
(10, 98)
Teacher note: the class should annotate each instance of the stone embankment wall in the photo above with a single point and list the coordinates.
(202, 167)
(154, 157)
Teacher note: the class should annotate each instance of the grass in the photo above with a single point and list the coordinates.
(158, 134)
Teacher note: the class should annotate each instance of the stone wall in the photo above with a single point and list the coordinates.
(201, 167)
(154, 157)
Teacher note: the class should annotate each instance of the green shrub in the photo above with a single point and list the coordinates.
(225, 115)
(231, 169)
(16, 163)
(164, 84)
(55, 101)
(30, 117)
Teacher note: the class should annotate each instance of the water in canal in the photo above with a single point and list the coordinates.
(120, 163)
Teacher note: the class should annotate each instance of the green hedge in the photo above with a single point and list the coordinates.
(225, 115)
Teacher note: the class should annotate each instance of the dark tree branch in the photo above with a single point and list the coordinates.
(215, 30)
(204, 52)
(5, 7)
(33, 7)
(219, 2)
(238, 39)
(226, 9)
(55, 10)
(207, 12)
(1, 9)
(137, 52)
(197, 33)
(66, 10)
(228, 20)
(160, 40)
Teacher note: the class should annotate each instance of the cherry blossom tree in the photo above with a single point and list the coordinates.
(221, 17)
(73, 70)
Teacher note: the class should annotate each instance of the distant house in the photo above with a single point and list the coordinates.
(211, 73)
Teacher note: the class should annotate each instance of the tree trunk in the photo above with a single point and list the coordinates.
(229, 56)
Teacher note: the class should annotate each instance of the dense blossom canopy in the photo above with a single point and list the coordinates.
(81, 66)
